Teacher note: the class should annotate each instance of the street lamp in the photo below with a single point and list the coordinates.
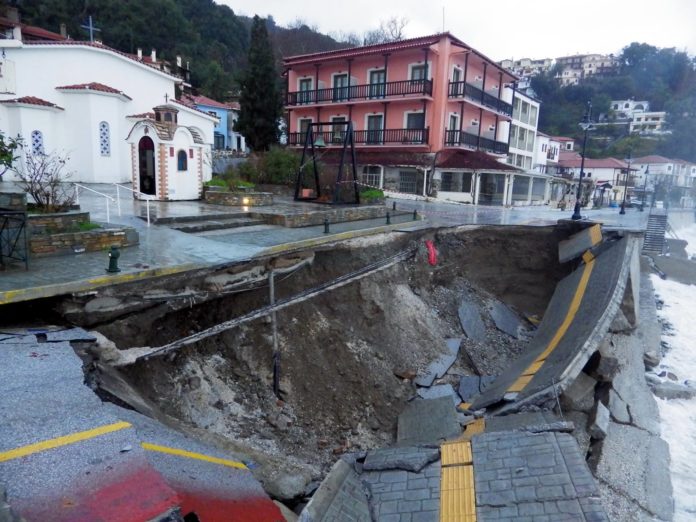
(645, 187)
(628, 172)
(585, 127)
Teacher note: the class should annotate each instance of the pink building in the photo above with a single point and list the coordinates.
(408, 101)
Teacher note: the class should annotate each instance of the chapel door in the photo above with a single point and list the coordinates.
(146, 162)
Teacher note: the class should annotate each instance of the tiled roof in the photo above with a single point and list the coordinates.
(204, 100)
(653, 159)
(32, 31)
(190, 105)
(143, 116)
(389, 47)
(93, 86)
(469, 159)
(165, 131)
(32, 100)
(561, 138)
(97, 45)
(447, 159)
(591, 163)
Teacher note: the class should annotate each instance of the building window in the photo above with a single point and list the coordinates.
(181, 160)
(37, 142)
(419, 72)
(446, 185)
(407, 181)
(371, 175)
(104, 139)
(305, 95)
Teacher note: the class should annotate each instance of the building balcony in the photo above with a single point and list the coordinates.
(456, 138)
(466, 90)
(374, 91)
(365, 137)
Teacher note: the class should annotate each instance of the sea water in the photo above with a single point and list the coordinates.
(678, 417)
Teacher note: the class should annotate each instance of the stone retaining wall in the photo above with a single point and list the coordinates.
(238, 199)
(334, 215)
(78, 242)
(56, 223)
(13, 201)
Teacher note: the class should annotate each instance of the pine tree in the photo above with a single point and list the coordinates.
(260, 92)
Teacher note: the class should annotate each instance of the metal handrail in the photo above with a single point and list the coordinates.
(146, 197)
(106, 196)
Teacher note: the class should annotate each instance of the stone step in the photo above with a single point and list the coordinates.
(167, 220)
(206, 226)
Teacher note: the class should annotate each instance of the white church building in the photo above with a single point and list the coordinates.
(90, 101)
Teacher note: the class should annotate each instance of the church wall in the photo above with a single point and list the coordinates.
(183, 184)
(40, 69)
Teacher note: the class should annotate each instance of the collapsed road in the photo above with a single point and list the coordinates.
(361, 327)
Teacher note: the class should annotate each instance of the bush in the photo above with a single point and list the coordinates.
(278, 166)
(370, 195)
(246, 171)
(43, 178)
(216, 182)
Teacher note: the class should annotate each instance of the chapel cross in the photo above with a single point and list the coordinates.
(91, 28)
(166, 98)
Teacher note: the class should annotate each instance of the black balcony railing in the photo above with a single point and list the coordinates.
(466, 90)
(374, 91)
(456, 138)
(366, 137)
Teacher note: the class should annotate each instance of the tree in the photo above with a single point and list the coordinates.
(260, 92)
(43, 178)
(390, 30)
(9, 148)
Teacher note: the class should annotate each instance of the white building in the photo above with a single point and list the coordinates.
(79, 98)
(547, 153)
(523, 130)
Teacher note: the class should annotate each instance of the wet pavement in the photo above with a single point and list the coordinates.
(163, 250)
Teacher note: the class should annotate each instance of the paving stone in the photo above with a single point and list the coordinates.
(545, 478)
(341, 496)
(439, 390)
(470, 319)
(468, 386)
(403, 458)
(505, 319)
(427, 421)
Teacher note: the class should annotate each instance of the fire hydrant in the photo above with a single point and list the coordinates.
(114, 254)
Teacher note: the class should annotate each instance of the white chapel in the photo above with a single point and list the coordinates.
(90, 101)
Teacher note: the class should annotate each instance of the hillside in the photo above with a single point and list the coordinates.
(208, 35)
(664, 77)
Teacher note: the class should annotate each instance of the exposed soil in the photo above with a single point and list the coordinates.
(341, 351)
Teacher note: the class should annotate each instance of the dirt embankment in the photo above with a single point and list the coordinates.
(341, 351)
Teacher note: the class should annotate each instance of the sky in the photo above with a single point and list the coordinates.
(505, 28)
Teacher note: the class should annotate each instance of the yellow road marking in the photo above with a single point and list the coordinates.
(473, 428)
(62, 441)
(457, 492)
(596, 234)
(464, 405)
(533, 368)
(191, 455)
(454, 453)
(587, 256)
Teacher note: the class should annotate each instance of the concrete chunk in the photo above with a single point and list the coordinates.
(506, 320)
(427, 421)
(412, 458)
(469, 386)
(441, 390)
(579, 396)
(618, 408)
(578, 243)
(671, 390)
(439, 366)
(472, 324)
(600, 422)
(73, 334)
(339, 494)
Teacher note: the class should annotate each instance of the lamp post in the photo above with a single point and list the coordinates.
(586, 127)
(628, 172)
(645, 187)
